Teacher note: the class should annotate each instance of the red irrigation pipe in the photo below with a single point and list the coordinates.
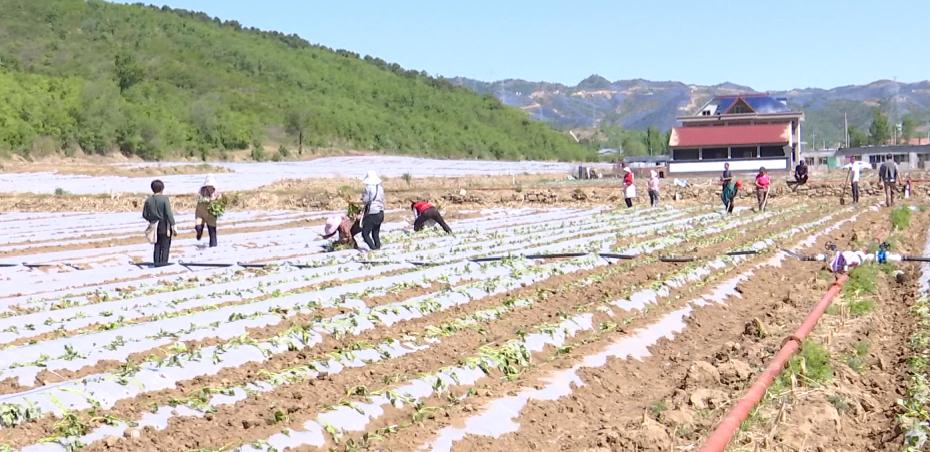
(723, 434)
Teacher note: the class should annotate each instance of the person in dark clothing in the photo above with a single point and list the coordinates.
(888, 175)
(202, 216)
(157, 208)
(423, 212)
(800, 173)
(725, 179)
(373, 200)
(727, 176)
(728, 196)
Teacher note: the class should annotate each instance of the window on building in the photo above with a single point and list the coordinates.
(684, 154)
(714, 154)
(740, 107)
(902, 158)
(771, 151)
(743, 152)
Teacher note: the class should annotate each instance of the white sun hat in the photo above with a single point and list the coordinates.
(371, 178)
(209, 181)
(332, 223)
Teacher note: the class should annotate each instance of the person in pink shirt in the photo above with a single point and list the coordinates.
(762, 187)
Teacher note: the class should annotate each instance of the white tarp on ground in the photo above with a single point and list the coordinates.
(246, 176)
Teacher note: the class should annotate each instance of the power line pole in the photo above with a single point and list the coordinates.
(846, 128)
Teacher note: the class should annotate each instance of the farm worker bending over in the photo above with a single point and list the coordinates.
(888, 175)
(629, 188)
(424, 212)
(800, 172)
(762, 187)
(202, 215)
(373, 200)
(157, 211)
(729, 194)
(346, 226)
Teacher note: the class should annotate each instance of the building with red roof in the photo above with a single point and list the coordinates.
(746, 130)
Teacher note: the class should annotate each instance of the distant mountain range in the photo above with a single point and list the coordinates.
(638, 104)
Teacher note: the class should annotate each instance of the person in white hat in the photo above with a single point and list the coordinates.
(346, 226)
(653, 186)
(373, 200)
(629, 187)
(202, 216)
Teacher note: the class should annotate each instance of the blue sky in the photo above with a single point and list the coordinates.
(768, 45)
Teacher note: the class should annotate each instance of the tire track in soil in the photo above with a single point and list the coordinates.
(448, 351)
(560, 427)
(639, 416)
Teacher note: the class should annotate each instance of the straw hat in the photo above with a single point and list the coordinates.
(371, 178)
(332, 224)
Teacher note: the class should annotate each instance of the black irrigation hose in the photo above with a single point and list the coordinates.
(617, 256)
(915, 259)
(677, 258)
(742, 253)
(204, 264)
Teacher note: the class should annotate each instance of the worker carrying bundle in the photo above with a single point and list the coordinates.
(423, 213)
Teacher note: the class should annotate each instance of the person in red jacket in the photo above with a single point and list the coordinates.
(629, 187)
(423, 211)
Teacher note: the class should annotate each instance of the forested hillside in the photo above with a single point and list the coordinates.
(158, 83)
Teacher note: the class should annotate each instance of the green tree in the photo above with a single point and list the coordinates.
(656, 142)
(633, 145)
(297, 123)
(857, 137)
(880, 130)
(128, 72)
(908, 128)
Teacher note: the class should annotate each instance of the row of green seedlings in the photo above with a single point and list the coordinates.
(61, 331)
(512, 357)
(529, 230)
(127, 370)
(683, 230)
(120, 341)
(447, 328)
(914, 417)
(201, 400)
(690, 233)
(241, 293)
(298, 333)
(124, 293)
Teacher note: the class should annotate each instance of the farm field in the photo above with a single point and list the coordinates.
(424, 345)
(45, 179)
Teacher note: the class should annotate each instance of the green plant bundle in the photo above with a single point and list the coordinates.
(217, 207)
(353, 210)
